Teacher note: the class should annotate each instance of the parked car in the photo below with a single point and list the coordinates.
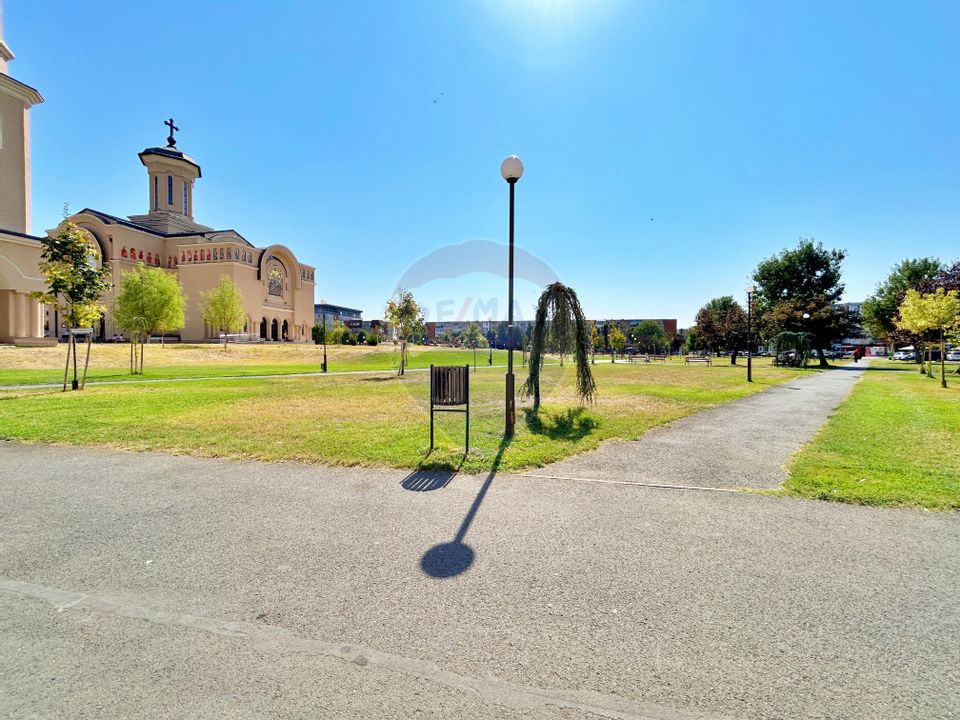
(904, 355)
(953, 356)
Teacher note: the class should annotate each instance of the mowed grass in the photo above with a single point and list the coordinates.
(376, 420)
(894, 441)
(111, 362)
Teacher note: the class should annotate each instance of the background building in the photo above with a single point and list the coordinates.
(21, 318)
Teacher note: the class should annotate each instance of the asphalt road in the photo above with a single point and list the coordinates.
(152, 586)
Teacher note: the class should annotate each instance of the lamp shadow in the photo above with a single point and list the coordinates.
(454, 558)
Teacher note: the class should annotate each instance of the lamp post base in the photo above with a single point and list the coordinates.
(511, 408)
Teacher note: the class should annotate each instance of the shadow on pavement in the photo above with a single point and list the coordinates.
(455, 557)
(427, 480)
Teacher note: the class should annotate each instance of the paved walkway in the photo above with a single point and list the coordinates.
(745, 443)
(143, 585)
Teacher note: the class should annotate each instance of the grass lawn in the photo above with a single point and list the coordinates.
(37, 366)
(373, 420)
(895, 441)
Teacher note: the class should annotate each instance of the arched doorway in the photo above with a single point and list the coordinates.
(263, 329)
(286, 331)
(273, 330)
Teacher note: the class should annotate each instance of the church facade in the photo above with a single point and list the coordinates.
(277, 288)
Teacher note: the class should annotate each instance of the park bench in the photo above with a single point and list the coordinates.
(697, 359)
(657, 358)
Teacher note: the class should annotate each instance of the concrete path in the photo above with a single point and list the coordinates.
(156, 586)
(745, 443)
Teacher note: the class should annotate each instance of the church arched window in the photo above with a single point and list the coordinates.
(275, 279)
(169, 189)
(185, 199)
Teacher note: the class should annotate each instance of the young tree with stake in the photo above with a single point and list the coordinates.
(151, 300)
(77, 276)
(223, 308)
(406, 315)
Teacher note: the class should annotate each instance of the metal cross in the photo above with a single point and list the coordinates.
(171, 141)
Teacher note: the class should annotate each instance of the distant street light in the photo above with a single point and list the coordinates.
(512, 170)
(751, 289)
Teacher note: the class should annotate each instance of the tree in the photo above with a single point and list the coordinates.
(617, 341)
(473, 338)
(76, 276)
(223, 308)
(558, 298)
(596, 341)
(151, 300)
(722, 326)
(879, 312)
(406, 315)
(649, 336)
(335, 333)
(318, 332)
(786, 342)
(806, 279)
(937, 311)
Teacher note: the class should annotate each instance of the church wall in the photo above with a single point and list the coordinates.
(20, 316)
(14, 165)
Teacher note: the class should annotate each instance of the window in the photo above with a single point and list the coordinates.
(156, 195)
(275, 280)
(185, 199)
(169, 189)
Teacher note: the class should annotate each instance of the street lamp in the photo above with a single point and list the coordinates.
(511, 169)
(323, 368)
(751, 289)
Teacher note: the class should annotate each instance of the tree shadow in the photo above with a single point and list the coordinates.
(455, 557)
(570, 424)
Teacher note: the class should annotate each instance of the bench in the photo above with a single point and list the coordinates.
(657, 358)
(697, 359)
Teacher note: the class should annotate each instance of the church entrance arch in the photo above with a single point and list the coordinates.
(273, 330)
(263, 329)
(286, 331)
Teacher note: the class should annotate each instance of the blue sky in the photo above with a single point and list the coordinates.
(668, 146)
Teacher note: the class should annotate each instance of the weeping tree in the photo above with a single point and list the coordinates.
(798, 342)
(560, 320)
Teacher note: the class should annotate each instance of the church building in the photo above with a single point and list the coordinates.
(277, 289)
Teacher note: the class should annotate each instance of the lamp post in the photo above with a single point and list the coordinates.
(511, 169)
(324, 367)
(751, 289)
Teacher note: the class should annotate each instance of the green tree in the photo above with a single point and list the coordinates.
(617, 340)
(406, 316)
(223, 308)
(798, 281)
(649, 336)
(722, 326)
(938, 311)
(336, 333)
(558, 298)
(76, 277)
(596, 341)
(151, 300)
(879, 312)
(318, 333)
(473, 338)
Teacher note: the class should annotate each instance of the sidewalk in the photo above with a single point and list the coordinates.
(745, 443)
